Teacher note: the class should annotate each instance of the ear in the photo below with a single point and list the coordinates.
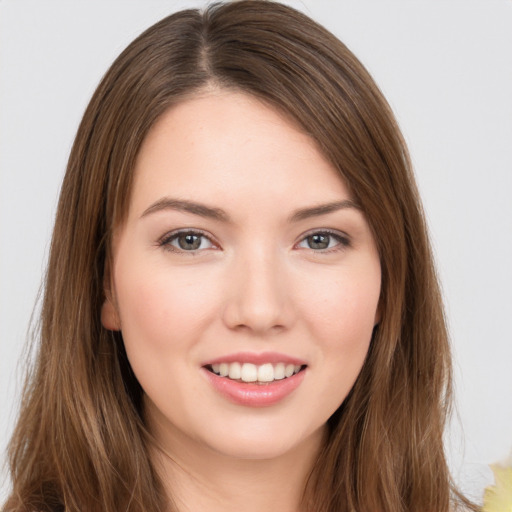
(109, 316)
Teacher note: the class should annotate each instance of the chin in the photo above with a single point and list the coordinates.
(262, 442)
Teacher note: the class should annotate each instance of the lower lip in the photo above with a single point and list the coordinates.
(255, 395)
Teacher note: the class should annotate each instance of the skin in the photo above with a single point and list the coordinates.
(254, 284)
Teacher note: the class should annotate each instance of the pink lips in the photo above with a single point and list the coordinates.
(252, 394)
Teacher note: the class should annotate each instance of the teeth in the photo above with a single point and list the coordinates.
(235, 371)
(279, 371)
(248, 372)
(288, 370)
(266, 373)
(224, 369)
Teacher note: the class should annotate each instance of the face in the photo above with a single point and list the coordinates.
(245, 280)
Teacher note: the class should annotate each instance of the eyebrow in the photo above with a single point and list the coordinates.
(322, 209)
(168, 203)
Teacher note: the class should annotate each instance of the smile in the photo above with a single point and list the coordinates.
(248, 372)
(255, 379)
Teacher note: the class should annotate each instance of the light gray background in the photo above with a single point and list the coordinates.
(446, 68)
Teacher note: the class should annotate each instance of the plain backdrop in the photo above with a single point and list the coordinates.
(446, 68)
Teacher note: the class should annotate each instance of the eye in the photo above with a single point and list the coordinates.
(186, 241)
(325, 241)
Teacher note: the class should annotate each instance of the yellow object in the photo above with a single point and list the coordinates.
(498, 497)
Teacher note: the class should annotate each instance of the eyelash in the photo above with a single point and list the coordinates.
(165, 241)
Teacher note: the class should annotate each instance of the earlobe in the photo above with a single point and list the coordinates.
(109, 316)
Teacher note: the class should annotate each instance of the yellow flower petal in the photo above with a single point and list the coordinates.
(498, 497)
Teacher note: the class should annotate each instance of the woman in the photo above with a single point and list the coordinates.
(241, 309)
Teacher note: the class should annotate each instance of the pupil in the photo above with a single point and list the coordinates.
(189, 241)
(319, 241)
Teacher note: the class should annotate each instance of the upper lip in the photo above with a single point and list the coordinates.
(256, 358)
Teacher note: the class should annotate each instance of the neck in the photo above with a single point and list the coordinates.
(197, 478)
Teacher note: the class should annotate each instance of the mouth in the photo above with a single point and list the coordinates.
(255, 374)
(254, 379)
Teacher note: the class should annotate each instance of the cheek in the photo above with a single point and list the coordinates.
(347, 304)
(342, 315)
(162, 311)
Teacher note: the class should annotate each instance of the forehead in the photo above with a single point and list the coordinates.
(232, 148)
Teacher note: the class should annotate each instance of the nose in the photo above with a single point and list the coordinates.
(258, 295)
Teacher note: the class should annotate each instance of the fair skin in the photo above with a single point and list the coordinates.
(256, 284)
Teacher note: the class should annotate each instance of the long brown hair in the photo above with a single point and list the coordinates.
(80, 443)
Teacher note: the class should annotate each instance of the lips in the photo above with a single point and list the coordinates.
(255, 380)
